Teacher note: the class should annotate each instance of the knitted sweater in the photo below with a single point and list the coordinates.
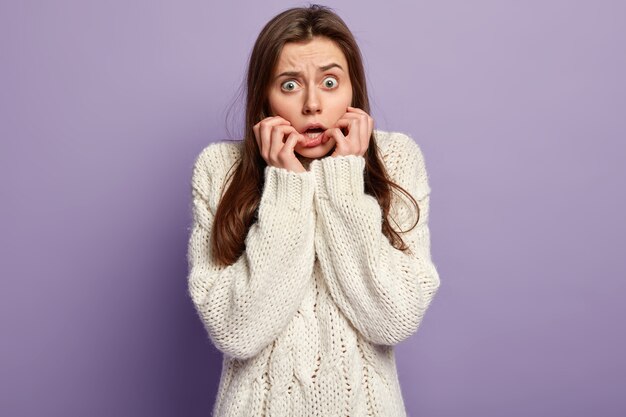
(308, 316)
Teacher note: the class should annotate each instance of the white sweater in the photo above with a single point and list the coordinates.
(308, 316)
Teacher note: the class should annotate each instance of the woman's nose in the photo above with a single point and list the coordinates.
(311, 103)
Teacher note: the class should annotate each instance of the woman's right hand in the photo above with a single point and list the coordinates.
(276, 139)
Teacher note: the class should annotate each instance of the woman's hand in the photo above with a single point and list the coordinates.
(276, 139)
(359, 126)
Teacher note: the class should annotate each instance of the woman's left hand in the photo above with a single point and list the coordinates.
(359, 125)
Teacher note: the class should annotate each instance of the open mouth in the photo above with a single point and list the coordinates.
(313, 133)
(314, 137)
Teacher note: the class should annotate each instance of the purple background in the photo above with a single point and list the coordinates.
(519, 108)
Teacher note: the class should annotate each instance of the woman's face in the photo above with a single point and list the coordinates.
(311, 84)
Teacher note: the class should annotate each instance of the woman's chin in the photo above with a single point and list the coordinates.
(315, 152)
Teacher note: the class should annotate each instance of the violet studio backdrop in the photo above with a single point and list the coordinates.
(517, 106)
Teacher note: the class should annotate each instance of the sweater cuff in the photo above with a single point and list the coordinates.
(288, 189)
(337, 176)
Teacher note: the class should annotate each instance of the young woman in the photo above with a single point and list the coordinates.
(309, 256)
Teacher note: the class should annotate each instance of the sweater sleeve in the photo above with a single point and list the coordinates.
(381, 290)
(246, 305)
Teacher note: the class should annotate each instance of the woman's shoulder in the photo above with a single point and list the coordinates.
(219, 156)
(397, 147)
(221, 152)
(403, 159)
(213, 163)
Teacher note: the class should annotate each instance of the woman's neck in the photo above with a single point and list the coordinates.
(306, 161)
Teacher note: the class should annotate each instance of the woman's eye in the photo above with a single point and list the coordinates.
(330, 82)
(289, 85)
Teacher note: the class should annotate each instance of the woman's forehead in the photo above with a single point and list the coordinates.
(295, 56)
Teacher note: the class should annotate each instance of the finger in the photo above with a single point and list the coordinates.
(337, 134)
(266, 126)
(351, 115)
(356, 110)
(278, 136)
(291, 142)
(368, 134)
(269, 122)
(255, 130)
(348, 115)
(360, 114)
(341, 124)
(366, 125)
(346, 125)
(363, 129)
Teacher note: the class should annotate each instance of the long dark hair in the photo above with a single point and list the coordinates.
(239, 202)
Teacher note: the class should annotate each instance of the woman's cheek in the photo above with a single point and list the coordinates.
(282, 112)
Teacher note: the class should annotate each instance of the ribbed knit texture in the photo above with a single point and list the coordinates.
(308, 316)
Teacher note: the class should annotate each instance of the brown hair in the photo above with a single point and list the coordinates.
(239, 202)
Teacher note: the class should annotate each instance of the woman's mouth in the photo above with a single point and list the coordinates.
(314, 137)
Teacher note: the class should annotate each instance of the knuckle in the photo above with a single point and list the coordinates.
(266, 122)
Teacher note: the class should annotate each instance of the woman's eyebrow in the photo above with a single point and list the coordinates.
(331, 65)
(322, 68)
